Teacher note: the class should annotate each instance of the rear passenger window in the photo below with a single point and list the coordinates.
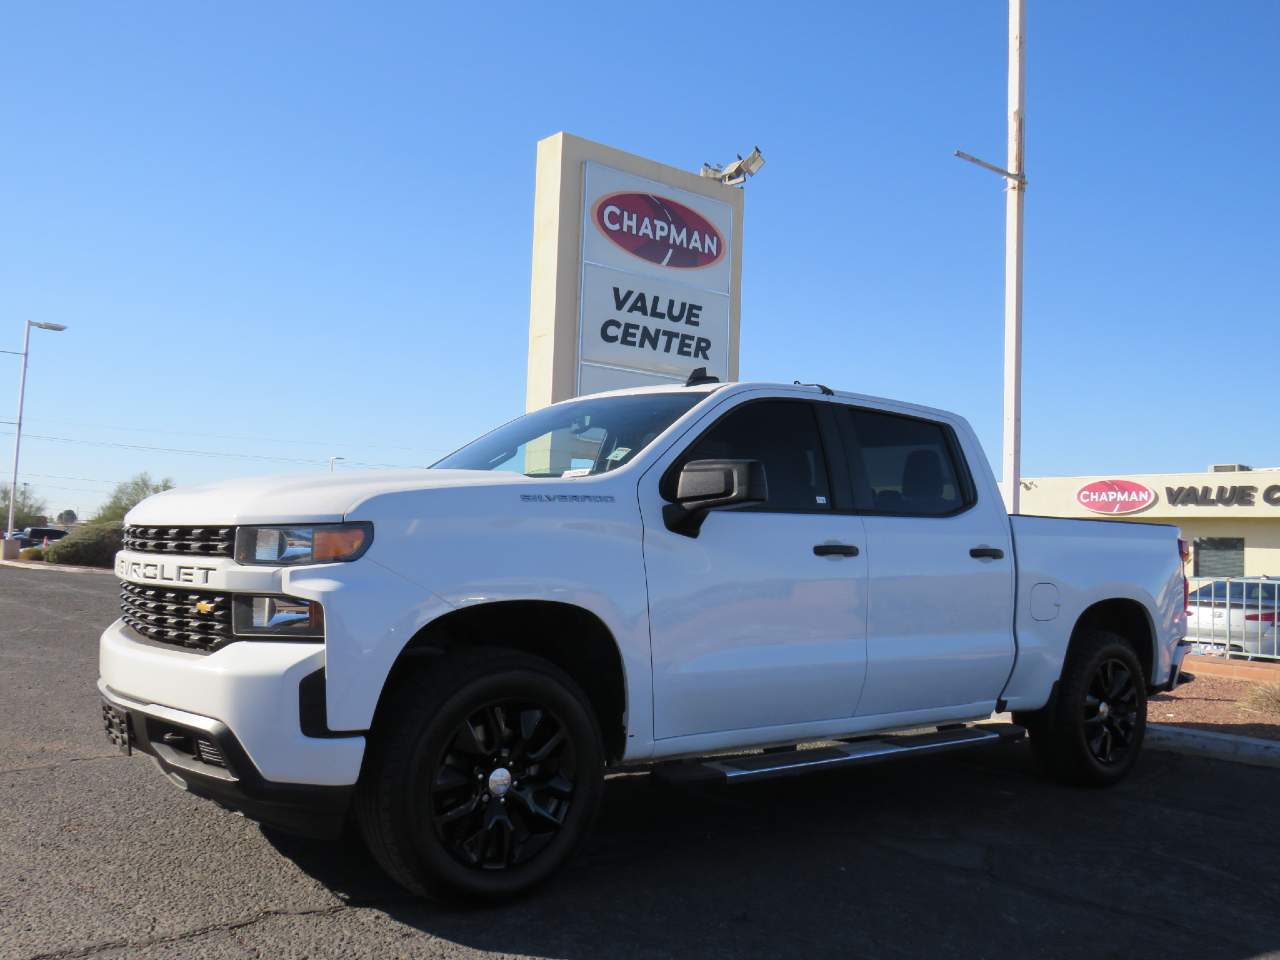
(903, 466)
(781, 434)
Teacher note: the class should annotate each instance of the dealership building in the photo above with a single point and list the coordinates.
(1230, 514)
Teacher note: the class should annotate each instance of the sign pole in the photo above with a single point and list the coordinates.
(1015, 187)
(1015, 192)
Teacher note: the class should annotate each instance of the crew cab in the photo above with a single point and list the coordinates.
(696, 580)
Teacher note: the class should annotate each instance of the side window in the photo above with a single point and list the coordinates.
(781, 434)
(903, 466)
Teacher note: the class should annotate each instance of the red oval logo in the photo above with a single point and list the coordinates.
(1115, 496)
(659, 229)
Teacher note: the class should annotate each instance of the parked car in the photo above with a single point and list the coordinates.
(36, 536)
(669, 578)
(1240, 615)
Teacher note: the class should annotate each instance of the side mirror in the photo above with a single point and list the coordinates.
(706, 485)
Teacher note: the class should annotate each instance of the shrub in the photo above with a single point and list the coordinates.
(94, 545)
(1265, 698)
(31, 553)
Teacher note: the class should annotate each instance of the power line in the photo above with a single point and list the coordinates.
(214, 454)
(223, 436)
(58, 476)
(54, 486)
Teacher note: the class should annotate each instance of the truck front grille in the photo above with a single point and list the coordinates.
(172, 616)
(194, 541)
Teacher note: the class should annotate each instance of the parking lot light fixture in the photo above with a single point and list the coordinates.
(17, 429)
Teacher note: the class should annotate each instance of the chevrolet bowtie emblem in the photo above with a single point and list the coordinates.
(204, 606)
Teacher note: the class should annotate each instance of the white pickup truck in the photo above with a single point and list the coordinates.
(696, 579)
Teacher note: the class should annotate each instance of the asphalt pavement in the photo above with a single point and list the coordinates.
(967, 855)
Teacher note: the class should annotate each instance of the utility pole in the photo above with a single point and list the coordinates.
(1015, 190)
(9, 551)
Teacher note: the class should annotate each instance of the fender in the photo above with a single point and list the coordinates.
(578, 543)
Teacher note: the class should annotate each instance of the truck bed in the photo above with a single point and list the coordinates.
(1065, 566)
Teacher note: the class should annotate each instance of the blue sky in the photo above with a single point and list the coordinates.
(300, 230)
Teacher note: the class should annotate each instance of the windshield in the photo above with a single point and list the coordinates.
(578, 439)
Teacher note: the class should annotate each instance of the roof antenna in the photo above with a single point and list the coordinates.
(699, 377)
(826, 391)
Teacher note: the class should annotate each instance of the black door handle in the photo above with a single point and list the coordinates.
(986, 553)
(835, 550)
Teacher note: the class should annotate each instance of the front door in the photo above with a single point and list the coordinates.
(750, 627)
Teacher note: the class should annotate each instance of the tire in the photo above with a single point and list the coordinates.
(1092, 731)
(444, 811)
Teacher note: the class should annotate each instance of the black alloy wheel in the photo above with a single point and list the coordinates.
(1111, 712)
(503, 785)
(1091, 731)
(483, 775)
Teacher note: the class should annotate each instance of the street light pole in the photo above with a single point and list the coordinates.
(22, 390)
(333, 460)
(1012, 460)
(1015, 191)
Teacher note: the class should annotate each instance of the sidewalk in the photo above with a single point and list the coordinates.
(60, 567)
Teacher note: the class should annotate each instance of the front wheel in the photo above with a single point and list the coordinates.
(1093, 731)
(485, 774)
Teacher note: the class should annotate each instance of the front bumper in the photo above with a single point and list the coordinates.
(204, 757)
(247, 701)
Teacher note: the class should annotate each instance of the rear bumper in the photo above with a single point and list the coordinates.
(1180, 651)
(204, 757)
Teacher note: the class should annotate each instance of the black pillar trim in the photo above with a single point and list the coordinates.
(313, 716)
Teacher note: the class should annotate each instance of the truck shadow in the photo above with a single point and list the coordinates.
(965, 855)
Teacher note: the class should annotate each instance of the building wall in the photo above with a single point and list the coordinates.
(1256, 522)
(1261, 539)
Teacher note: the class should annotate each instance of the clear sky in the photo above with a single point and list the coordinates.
(301, 230)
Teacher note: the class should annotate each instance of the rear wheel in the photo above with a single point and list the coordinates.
(1093, 730)
(485, 774)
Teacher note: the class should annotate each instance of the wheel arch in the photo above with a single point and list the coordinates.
(1125, 617)
(570, 636)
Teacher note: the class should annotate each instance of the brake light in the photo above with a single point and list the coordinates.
(1264, 617)
(1184, 554)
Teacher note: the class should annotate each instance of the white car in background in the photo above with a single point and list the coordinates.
(1236, 616)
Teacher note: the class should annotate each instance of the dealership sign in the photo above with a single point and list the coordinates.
(655, 282)
(1233, 496)
(1115, 497)
(659, 229)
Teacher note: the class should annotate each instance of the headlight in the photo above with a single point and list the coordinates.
(289, 545)
(283, 618)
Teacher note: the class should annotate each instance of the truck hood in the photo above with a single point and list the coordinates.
(296, 498)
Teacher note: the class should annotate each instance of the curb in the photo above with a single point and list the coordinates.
(60, 567)
(1217, 746)
(1253, 751)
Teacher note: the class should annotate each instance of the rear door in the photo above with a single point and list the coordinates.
(941, 566)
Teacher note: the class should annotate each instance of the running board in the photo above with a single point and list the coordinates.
(765, 766)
